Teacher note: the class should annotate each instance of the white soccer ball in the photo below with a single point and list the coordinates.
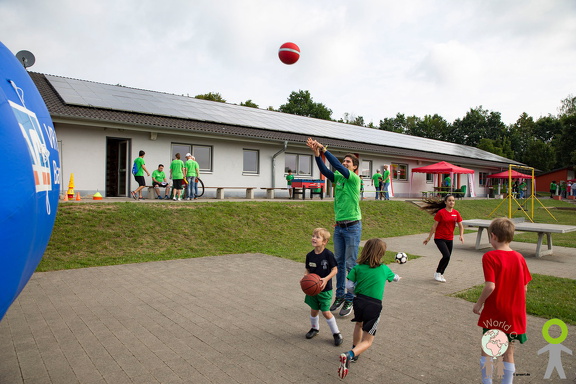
(401, 258)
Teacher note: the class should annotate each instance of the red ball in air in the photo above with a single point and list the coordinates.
(289, 53)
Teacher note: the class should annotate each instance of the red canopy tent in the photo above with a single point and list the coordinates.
(505, 175)
(444, 167)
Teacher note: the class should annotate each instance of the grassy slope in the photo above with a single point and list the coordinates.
(91, 234)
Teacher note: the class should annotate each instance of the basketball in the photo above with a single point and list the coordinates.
(289, 53)
(310, 284)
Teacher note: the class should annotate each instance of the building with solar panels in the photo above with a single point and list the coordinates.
(101, 128)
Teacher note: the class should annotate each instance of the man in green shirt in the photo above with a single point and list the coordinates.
(139, 175)
(192, 172)
(376, 180)
(386, 182)
(159, 180)
(177, 175)
(348, 228)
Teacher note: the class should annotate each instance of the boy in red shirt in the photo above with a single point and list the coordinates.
(506, 278)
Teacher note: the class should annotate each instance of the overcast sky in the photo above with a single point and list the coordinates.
(367, 58)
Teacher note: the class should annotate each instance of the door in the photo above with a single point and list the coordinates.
(117, 166)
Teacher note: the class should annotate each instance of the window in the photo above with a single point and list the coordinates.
(366, 169)
(430, 178)
(202, 153)
(400, 172)
(298, 164)
(482, 178)
(251, 162)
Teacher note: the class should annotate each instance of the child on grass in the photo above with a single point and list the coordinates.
(506, 278)
(369, 276)
(322, 262)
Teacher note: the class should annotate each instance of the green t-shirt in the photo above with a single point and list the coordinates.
(386, 176)
(139, 162)
(159, 176)
(176, 167)
(347, 197)
(370, 281)
(376, 179)
(289, 179)
(191, 168)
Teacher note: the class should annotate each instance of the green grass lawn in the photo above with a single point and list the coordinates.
(547, 296)
(95, 234)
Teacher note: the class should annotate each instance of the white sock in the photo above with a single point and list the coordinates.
(333, 325)
(509, 369)
(315, 321)
(486, 376)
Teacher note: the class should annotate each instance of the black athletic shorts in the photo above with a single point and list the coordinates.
(367, 311)
(140, 180)
(177, 183)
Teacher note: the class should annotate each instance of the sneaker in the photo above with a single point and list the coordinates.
(354, 359)
(346, 308)
(134, 195)
(179, 199)
(311, 333)
(338, 339)
(443, 279)
(159, 198)
(166, 197)
(438, 277)
(174, 198)
(337, 303)
(344, 365)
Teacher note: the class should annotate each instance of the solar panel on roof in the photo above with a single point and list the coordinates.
(85, 93)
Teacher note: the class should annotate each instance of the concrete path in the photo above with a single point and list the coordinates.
(242, 319)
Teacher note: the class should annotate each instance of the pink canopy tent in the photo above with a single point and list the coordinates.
(444, 167)
(505, 175)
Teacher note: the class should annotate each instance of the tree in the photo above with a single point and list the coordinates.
(477, 124)
(350, 118)
(431, 127)
(249, 103)
(568, 106)
(301, 103)
(211, 96)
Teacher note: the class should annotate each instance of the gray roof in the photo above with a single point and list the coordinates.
(106, 97)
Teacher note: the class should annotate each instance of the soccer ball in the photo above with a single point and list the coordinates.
(401, 258)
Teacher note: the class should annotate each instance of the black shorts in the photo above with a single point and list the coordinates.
(140, 180)
(367, 311)
(157, 184)
(177, 183)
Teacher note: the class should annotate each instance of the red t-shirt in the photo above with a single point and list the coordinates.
(446, 223)
(505, 308)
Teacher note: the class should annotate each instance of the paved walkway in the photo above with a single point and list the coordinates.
(241, 319)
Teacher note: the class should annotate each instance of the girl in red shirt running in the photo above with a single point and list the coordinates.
(445, 219)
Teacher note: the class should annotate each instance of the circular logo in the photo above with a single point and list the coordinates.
(494, 343)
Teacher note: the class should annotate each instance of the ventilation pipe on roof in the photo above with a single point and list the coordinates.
(274, 163)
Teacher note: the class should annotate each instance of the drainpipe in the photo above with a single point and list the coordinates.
(274, 163)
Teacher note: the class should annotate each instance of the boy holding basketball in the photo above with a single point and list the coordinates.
(322, 262)
(367, 280)
(502, 303)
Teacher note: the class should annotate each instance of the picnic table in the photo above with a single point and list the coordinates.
(540, 228)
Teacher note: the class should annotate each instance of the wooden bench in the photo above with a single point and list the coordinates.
(220, 191)
(540, 228)
(270, 192)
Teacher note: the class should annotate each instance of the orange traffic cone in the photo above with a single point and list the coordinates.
(78, 197)
(65, 197)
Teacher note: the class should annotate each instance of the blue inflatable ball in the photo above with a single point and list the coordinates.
(31, 167)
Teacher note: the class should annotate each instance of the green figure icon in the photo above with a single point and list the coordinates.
(555, 348)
